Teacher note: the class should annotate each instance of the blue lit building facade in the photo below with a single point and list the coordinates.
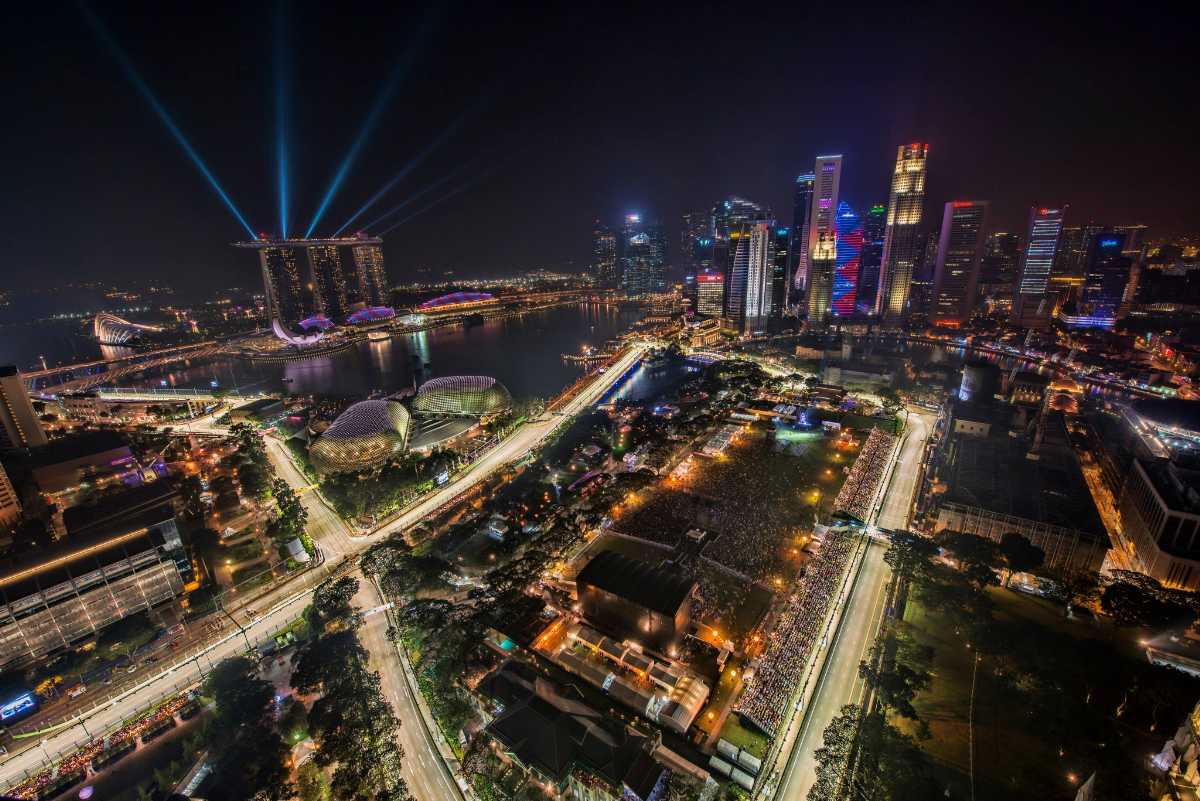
(849, 252)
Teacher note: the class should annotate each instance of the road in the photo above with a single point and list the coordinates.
(424, 769)
(337, 544)
(839, 683)
(167, 681)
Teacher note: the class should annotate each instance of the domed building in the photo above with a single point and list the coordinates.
(365, 435)
(465, 395)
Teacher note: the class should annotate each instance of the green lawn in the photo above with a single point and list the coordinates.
(1007, 754)
(734, 732)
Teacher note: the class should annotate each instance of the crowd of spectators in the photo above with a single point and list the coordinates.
(78, 762)
(779, 671)
(859, 490)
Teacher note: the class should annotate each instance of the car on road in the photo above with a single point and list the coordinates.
(175, 630)
(77, 690)
(131, 669)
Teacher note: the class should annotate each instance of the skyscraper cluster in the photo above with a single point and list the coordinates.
(831, 262)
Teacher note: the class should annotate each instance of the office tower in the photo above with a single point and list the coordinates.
(846, 264)
(328, 281)
(695, 242)
(900, 243)
(1106, 275)
(822, 260)
(1072, 246)
(282, 285)
(959, 256)
(373, 288)
(710, 294)
(604, 256)
(643, 256)
(827, 179)
(874, 225)
(733, 212)
(1135, 240)
(798, 247)
(10, 506)
(780, 243)
(19, 425)
(748, 288)
(998, 270)
(1032, 302)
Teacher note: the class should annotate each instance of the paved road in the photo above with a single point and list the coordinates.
(424, 769)
(169, 680)
(839, 683)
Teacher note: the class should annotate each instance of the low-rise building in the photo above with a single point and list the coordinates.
(98, 457)
(636, 600)
(565, 745)
(95, 408)
(115, 565)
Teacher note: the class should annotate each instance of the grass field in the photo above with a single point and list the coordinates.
(1009, 754)
(742, 737)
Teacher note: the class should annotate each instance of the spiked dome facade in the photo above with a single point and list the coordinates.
(365, 435)
(470, 395)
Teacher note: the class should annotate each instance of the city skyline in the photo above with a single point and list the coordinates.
(135, 186)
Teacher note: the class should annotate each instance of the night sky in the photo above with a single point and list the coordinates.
(571, 113)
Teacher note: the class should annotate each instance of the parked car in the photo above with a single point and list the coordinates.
(77, 690)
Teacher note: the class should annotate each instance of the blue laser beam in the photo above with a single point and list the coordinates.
(160, 110)
(413, 198)
(413, 163)
(281, 115)
(456, 191)
(399, 72)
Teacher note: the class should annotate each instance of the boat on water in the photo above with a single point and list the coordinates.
(378, 336)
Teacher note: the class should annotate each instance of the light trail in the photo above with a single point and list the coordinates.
(416, 46)
(160, 110)
(420, 194)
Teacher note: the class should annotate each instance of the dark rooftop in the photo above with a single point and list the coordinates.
(994, 473)
(77, 446)
(112, 512)
(548, 727)
(647, 585)
(7, 370)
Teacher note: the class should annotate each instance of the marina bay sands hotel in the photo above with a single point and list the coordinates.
(326, 287)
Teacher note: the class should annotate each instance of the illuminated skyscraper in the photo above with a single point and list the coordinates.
(282, 285)
(959, 255)
(643, 256)
(798, 246)
(901, 251)
(1032, 302)
(874, 225)
(827, 179)
(998, 271)
(748, 297)
(604, 256)
(822, 261)
(780, 244)
(849, 253)
(1106, 275)
(328, 281)
(731, 213)
(19, 425)
(710, 294)
(372, 287)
